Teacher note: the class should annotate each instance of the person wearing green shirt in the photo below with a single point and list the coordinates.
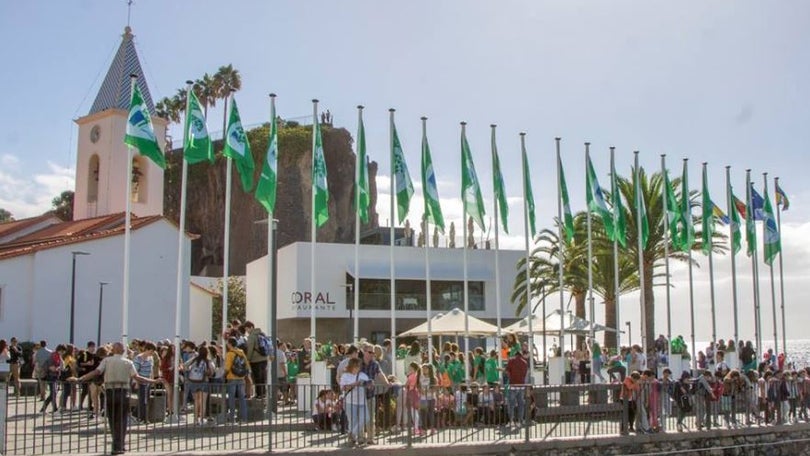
(492, 368)
(596, 361)
(456, 370)
(292, 369)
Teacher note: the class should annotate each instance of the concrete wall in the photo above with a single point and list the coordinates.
(201, 306)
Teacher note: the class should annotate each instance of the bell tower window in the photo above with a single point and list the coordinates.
(138, 180)
(92, 179)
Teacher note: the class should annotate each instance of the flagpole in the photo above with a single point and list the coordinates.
(731, 207)
(688, 223)
(428, 291)
(561, 252)
(127, 236)
(639, 204)
(227, 249)
(180, 263)
(497, 253)
(664, 195)
(466, 282)
(749, 212)
(529, 309)
(773, 286)
(313, 233)
(617, 311)
(781, 272)
(590, 251)
(711, 272)
(271, 302)
(356, 286)
(392, 235)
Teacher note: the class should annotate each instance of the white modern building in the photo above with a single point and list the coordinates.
(334, 278)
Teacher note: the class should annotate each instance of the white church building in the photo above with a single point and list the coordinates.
(48, 266)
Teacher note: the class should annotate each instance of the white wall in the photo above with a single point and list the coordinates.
(333, 261)
(37, 289)
(201, 305)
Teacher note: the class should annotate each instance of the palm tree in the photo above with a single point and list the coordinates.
(653, 252)
(225, 80)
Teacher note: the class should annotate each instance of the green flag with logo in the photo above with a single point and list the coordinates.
(772, 244)
(673, 211)
(319, 186)
(433, 210)
(237, 147)
(361, 185)
(642, 209)
(470, 188)
(497, 183)
(734, 217)
(688, 233)
(268, 179)
(568, 217)
(404, 187)
(596, 199)
(139, 132)
(197, 145)
(527, 191)
(620, 231)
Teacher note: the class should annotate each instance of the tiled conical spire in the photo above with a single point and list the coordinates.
(115, 90)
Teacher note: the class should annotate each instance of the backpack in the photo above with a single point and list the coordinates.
(239, 366)
(198, 371)
(263, 344)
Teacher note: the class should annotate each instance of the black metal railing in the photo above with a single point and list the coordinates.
(320, 416)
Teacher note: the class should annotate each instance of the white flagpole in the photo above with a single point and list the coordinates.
(356, 286)
(731, 207)
(590, 250)
(526, 228)
(773, 286)
(711, 277)
(392, 236)
(561, 238)
(781, 272)
(127, 235)
(754, 266)
(466, 289)
(313, 232)
(227, 250)
(616, 293)
(664, 195)
(428, 291)
(180, 263)
(685, 194)
(271, 298)
(639, 196)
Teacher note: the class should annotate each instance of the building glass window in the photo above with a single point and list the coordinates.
(375, 294)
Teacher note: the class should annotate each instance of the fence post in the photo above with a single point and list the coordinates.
(526, 413)
(3, 410)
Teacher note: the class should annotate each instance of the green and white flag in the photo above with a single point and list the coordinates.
(620, 231)
(433, 210)
(139, 133)
(772, 243)
(596, 200)
(750, 221)
(404, 187)
(498, 187)
(319, 185)
(734, 216)
(237, 147)
(707, 216)
(642, 209)
(527, 191)
(568, 217)
(197, 145)
(470, 188)
(673, 212)
(268, 179)
(688, 233)
(361, 185)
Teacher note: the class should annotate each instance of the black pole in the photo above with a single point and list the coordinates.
(100, 304)
(72, 299)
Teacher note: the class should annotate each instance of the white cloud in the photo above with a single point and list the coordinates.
(28, 196)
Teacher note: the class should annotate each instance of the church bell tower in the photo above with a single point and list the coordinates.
(101, 165)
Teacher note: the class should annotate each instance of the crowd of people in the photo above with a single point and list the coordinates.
(439, 387)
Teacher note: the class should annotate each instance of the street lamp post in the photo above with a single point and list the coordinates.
(629, 333)
(73, 295)
(100, 304)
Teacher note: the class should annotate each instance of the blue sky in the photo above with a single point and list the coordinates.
(725, 83)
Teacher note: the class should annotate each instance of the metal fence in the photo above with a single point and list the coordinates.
(394, 417)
